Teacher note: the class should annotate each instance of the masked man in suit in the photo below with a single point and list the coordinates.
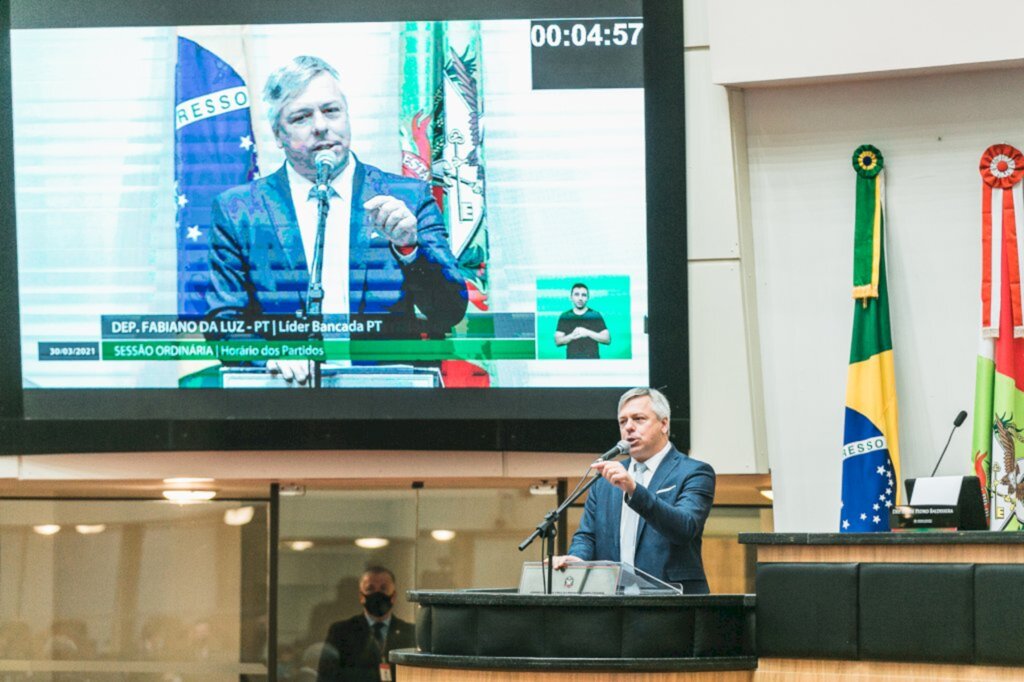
(648, 511)
(356, 650)
(386, 250)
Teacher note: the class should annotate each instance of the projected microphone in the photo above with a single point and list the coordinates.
(325, 162)
(956, 423)
(621, 448)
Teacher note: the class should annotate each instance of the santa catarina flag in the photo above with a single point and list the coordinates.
(214, 150)
(442, 136)
(999, 388)
(871, 462)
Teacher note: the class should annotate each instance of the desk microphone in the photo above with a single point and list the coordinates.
(956, 423)
(621, 448)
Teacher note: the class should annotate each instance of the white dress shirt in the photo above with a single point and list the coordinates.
(334, 276)
(630, 519)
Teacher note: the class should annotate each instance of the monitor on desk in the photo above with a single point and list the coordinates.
(961, 493)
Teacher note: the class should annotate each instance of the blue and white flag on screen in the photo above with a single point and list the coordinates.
(214, 150)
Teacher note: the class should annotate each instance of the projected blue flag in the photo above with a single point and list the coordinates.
(213, 151)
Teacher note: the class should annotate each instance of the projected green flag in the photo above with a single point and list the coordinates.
(443, 144)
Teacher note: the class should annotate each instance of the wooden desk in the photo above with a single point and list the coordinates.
(888, 606)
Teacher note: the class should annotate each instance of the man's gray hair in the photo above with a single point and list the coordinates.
(659, 403)
(287, 82)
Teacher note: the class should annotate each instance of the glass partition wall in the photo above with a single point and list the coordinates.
(436, 539)
(132, 590)
(430, 539)
(141, 590)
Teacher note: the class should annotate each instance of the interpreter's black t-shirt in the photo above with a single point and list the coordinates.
(581, 349)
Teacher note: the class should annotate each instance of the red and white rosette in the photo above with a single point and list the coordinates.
(1002, 235)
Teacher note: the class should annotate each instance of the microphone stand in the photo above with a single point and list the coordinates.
(546, 529)
(956, 424)
(315, 291)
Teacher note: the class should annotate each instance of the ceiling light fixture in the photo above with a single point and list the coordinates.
(90, 528)
(239, 516)
(190, 496)
(47, 529)
(372, 543)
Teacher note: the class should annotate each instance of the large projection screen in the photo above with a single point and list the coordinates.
(159, 244)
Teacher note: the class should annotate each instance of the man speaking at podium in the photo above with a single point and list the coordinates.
(386, 250)
(649, 511)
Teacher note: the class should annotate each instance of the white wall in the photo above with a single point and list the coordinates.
(725, 394)
(932, 132)
(825, 84)
(766, 41)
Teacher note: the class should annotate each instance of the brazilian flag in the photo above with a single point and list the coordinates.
(871, 462)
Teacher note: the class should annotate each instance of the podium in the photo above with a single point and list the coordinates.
(525, 637)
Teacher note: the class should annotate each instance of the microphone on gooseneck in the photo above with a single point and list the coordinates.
(621, 448)
(956, 424)
(325, 162)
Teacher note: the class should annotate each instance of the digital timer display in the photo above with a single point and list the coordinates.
(587, 53)
(559, 34)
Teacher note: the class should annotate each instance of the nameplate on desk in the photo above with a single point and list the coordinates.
(924, 517)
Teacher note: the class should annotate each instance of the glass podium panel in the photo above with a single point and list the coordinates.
(593, 577)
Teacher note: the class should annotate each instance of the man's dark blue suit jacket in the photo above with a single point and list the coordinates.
(673, 507)
(258, 265)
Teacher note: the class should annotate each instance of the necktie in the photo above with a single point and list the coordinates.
(630, 520)
(378, 636)
(331, 192)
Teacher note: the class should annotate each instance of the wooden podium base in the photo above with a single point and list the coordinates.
(411, 674)
(769, 670)
(805, 670)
